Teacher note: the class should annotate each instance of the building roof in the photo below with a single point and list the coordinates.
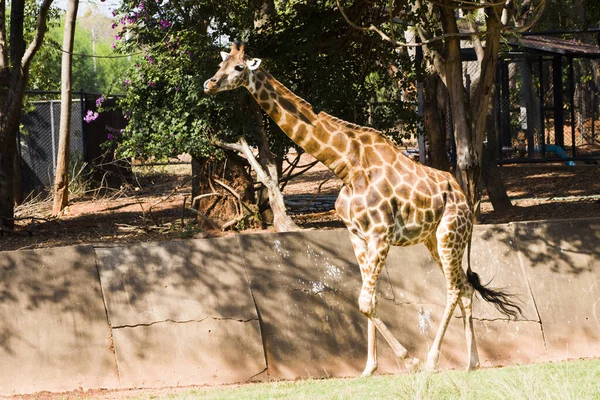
(553, 45)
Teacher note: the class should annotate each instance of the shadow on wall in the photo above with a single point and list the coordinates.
(228, 309)
(53, 330)
(561, 260)
(181, 313)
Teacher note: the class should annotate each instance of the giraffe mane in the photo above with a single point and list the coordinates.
(350, 125)
(286, 91)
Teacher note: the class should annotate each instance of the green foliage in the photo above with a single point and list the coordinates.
(308, 47)
(164, 99)
(103, 75)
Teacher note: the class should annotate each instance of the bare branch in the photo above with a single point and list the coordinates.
(207, 221)
(200, 197)
(373, 28)
(40, 31)
(240, 205)
(464, 5)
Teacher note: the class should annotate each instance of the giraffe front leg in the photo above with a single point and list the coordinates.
(367, 304)
(360, 251)
(377, 251)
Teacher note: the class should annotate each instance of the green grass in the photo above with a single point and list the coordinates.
(576, 380)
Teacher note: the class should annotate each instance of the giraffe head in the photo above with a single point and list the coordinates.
(233, 71)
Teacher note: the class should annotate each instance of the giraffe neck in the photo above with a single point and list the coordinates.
(296, 118)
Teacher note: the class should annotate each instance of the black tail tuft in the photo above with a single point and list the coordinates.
(498, 297)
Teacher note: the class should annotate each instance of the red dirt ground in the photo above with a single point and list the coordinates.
(154, 210)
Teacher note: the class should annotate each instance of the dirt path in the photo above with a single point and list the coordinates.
(154, 211)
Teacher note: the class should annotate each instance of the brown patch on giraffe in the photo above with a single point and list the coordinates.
(328, 126)
(340, 142)
(258, 84)
(373, 197)
(300, 132)
(268, 87)
(385, 188)
(276, 114)
(421, 201)
(360, 181)
(312, 145)
(288, 106)
(328, 155)
(423, 187)
(403, 191)
(376, 217)
(370, 156)
(266, 105)
(428, 216)
(366, 138)
(264, 95)
(307, 112)
(288, 126)
(387, 154)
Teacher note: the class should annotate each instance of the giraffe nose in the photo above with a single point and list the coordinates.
(209, 84)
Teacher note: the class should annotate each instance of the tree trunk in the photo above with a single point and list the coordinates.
(490, 172)
(13, 78)
(7, 205)
(61, 180)
(270, 178)
(468, 160)
(222, 189)
(435, 122)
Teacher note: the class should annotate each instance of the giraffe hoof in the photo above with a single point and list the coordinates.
(412, 364)
(432, 359)
(473, 367)
(369, 370)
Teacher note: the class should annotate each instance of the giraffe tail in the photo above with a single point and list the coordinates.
(500, 298)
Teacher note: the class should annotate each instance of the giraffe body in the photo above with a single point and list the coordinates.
(386, 200)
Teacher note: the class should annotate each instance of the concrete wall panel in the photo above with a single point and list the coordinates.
(182, 312)
(54, 334)
(306, 287)
(208, 352)
(222, 310)
(562, 262)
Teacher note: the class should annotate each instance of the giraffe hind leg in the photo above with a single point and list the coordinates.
(450, 261)
(466, 307)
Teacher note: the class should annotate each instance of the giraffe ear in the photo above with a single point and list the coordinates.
(253, 63)
(224, 55)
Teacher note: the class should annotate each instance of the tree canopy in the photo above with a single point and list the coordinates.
(308, 47)
(96, 67)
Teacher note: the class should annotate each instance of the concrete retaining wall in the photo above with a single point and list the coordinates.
(271, 306)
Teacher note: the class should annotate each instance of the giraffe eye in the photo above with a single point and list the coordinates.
(239, 68)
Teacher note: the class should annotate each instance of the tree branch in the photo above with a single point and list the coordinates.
(373, 28)
(40, 31)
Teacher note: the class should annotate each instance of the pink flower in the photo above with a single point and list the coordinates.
(90, 116)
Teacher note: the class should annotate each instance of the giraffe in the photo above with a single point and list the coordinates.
(386, 200)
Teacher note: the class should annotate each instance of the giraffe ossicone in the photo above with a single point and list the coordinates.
(386, 200)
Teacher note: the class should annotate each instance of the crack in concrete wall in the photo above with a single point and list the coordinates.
(184, 321)
(535, 306)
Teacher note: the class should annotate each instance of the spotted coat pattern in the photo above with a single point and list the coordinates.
(386, 200)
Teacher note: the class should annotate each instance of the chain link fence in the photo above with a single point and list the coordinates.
(39, 135)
